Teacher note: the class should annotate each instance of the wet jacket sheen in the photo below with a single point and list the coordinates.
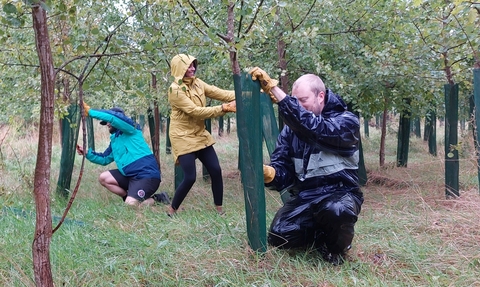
(316, 151)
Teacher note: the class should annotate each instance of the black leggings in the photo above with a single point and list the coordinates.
(209, 158)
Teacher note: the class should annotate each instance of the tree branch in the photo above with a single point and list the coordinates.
(305, 16)
(424, 40)
(193, 24)
(474, 51)
(344, 32)
(241, 20)
(88, 56)
(198, 14)
(254, 18)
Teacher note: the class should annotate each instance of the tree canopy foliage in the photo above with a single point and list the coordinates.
(364, 50)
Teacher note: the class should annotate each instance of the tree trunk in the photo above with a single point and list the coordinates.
(282, 63)
(43, 225)
(156, 118)
(156, 115)
(230, 37)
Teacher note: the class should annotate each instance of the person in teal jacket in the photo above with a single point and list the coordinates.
(138, 175)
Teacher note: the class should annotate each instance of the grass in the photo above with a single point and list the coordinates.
(408, 233)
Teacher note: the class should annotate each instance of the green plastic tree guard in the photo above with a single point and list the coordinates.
(471, 112)
(151, 125)
(451, 141)
(221, 124)
(432, 132)
(366, 127)
(362, 170)
(270, 131)
(178, 175)
(249, 131)
(403, 139)
(426, 127)
(476, 96)
(208, 126)
(142, 121)
(228, 125)
(161, 121)
(416, 127)
(269, 123)
(90, 133)
(70, 128)
(168, 143)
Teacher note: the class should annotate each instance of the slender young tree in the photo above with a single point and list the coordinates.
(43, 224)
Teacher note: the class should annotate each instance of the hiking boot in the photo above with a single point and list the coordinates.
(161, 197)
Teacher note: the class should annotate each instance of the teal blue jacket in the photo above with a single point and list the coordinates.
(127, 148)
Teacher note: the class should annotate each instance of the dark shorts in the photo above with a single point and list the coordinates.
(140, 189)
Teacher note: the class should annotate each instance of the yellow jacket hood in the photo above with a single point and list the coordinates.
(179, 65)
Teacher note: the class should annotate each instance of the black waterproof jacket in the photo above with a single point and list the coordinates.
(317, 151)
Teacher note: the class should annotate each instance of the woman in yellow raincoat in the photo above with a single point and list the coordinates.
(188, 136)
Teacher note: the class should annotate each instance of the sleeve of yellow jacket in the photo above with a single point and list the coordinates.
(217, 93)
(179, 100)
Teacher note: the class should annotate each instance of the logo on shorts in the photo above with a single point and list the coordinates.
(141, 193)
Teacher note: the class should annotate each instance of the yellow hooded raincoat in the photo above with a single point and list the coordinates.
(187, 98)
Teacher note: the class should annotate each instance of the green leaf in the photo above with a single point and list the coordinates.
(45, 6)
(9, 8)
(417, 3)
(13, 21)
(148, 46)
(62, 7)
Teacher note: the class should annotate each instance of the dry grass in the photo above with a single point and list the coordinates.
(415, 198)
(408, 234)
